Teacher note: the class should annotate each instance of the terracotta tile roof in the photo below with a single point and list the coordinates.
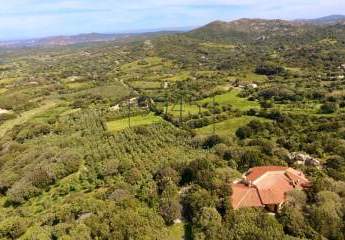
(256, 172)
(243, 196)
(266, 186)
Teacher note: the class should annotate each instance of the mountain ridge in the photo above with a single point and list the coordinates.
(242, 25)
(330, 19)
(64, 40)
(274, 31)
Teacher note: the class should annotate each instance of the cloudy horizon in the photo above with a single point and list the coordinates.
(22, 19)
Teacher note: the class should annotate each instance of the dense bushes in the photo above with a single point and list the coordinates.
(51, 167)
(269, 69)
(31, 130)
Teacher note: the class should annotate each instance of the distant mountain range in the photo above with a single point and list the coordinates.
(62, 40)
(332, 19)
(216, 28)
(78, 39)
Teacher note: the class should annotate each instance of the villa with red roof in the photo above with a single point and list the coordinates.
(266, 187)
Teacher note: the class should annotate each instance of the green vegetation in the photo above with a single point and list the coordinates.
(121, 124)
(24, 117)
(146, 85)
(217, 45)
(187, 109)
(146, 63)
(227, 127)
(176, 232)
(78, 85)
(181, 76)
(234, 100)
(71, 168)
(2, 90)
(252, 77)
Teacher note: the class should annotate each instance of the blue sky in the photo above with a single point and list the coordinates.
(38, 18)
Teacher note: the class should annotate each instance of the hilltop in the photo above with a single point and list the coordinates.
(270, 31)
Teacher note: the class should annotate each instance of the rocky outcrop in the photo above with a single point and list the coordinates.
(303, 159)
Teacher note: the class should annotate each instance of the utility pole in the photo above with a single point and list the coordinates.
(214, 112)
(165, 86)
(166, 104)
(129, 112)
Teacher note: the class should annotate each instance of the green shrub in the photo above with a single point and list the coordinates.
(13, 227)
(329, 108)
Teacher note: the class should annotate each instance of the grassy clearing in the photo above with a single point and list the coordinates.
(79, 85)
(228, 127)
(201, 74)
(146, 85)
(217, 45)
(181, 76)
(310, 108)
(252, 77)
(53, 112)
(113, 92)
(187, 109)
(149, 62)
(294, 70)
(7, 80)
(328, 41)
(24, 117)
(233, 99)
(71, 79)
(176, 232)
(2, 90)
(305, 108)
(121, 124)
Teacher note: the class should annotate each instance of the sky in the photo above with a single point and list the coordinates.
(20, 19)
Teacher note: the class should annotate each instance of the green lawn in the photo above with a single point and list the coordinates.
(146, 84)
(228, 127)
(253, 77)
(233, 99)
(181, 76)
(121, 124)
(187, 109)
